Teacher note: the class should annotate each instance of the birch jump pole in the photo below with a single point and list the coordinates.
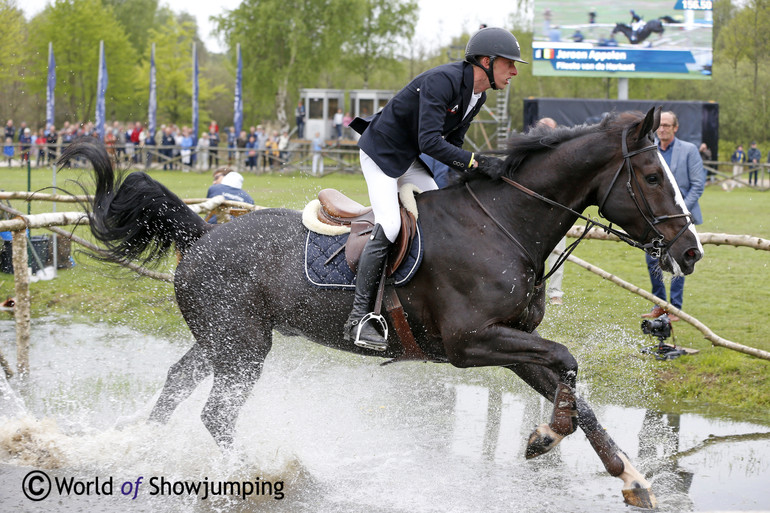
(668, 307)
(717, 239)
(51, 221)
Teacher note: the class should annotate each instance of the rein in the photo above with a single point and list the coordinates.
(499, 224)
(655, 247)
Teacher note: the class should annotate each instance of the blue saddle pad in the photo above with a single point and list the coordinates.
(326, 269)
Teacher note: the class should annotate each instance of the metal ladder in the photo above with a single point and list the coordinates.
(503, 120)
(498, 116)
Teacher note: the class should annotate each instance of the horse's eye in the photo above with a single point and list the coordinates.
(652, 179)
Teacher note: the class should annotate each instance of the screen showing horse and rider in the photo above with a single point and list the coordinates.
(644, 39)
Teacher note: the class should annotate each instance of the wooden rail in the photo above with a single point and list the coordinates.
(51, 221)
(19, 224)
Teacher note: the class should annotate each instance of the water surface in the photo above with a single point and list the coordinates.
(342, 434)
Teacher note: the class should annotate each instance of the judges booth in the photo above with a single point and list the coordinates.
(365, 102)
(320, 106)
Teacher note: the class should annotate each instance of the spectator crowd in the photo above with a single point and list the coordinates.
(171, 147)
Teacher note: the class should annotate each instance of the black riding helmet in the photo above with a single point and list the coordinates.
(493, 42)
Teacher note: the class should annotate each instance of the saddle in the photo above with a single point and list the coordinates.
(339, 210)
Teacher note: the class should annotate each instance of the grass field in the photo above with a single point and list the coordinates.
(730, 292)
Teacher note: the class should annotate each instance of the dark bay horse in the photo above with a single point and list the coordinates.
(639, 35)
(475, 301)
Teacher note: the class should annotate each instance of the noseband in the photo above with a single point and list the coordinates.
(655, 248)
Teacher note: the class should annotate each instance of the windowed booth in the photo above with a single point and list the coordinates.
(365, 102)
(320, 106)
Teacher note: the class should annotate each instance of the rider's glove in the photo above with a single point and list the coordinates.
(491, 166)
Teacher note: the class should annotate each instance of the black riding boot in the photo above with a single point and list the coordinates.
(367, 281)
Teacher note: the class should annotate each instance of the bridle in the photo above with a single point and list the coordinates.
(655, 248)
(657, 245)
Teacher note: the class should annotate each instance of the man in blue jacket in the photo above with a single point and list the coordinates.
(754, 157)
(229, 184)
(430, 115)
(685, 163)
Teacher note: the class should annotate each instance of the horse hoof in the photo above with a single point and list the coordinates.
(542, 440)
(640, 497)
(637, 491)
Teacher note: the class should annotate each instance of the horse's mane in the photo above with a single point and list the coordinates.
(543, 138)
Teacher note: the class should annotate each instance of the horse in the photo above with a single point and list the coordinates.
(475, 301)
(636, 36)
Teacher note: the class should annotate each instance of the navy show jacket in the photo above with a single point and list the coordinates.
(426, 116)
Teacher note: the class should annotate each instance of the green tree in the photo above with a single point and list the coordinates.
(218, 70)
(13, 33)
(753, 24)
(741, 72)
(75, 28)
(173, 64)
(722, 13)
(378, 27)
(137, 17)
(284, 44)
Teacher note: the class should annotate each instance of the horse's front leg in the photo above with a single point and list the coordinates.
(564, 421)
(505, 346)
(637, 491)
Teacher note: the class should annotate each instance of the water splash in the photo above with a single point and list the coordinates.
(342, 434)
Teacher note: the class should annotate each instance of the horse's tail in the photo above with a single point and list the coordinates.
(134, 216)
(667, 19)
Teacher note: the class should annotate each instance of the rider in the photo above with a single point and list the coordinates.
(430, 115)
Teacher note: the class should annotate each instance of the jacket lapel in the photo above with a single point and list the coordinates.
(466, 88)
(676, 155)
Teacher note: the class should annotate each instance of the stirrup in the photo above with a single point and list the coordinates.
(371, 316)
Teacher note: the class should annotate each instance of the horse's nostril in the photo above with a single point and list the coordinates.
(693, 255)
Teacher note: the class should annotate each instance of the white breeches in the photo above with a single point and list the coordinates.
(383, 192)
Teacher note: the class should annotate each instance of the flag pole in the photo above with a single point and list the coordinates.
(152, 109)
(50, 103)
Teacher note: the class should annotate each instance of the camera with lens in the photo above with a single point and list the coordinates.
(659, 328)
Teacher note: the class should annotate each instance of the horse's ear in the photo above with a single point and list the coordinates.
(650, 123)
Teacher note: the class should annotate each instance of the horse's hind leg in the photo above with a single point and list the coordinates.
(237, 366)
(181, 380)
(637, 491)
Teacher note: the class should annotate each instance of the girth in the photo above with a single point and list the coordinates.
(339, 210)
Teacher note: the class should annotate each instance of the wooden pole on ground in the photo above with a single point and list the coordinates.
(21, 309)
(668, 307)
